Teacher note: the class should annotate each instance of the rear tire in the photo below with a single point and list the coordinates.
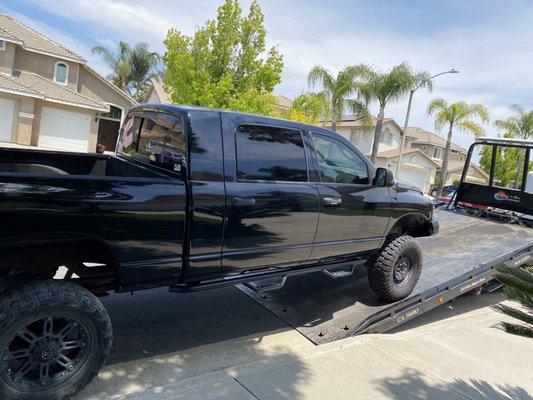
(54, 338)
(395, 270)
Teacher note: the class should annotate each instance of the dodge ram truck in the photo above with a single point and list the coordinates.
(192, 199)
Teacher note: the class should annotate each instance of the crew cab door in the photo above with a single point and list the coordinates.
(272, 207)
(353, 214)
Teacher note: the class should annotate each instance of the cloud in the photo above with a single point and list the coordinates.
(489, 44)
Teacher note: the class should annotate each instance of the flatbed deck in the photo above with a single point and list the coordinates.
(460, 258)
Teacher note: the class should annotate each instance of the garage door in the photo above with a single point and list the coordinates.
(64, 130)
(416, 177)
(7, 110)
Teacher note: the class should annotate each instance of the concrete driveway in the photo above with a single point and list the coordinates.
(222, 345)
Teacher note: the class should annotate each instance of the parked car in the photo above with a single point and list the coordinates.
(446, 190)
(193, 199)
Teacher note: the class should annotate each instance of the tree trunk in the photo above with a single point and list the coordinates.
(377, 134)
(445, 158)
(334, 116)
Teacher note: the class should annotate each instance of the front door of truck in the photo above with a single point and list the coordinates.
(353, 214)
(272, 208)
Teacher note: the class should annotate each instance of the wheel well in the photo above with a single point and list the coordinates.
(410, 224)
(89, 263)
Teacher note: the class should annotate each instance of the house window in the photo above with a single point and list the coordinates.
(355, 136)
(461, 158)
(61, 73)
(2, 45)
(386, 138)
(424, 148)
(437, 152)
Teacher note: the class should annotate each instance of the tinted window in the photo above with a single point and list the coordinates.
(159, 141)
(270, 153)
(338, 163)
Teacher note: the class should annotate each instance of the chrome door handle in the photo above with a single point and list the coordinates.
(332, 201)
(243, 202)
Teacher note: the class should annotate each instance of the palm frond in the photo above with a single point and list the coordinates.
(514, 313)
(516, 329)
(436, 105)
(321, 75)
(471, 127)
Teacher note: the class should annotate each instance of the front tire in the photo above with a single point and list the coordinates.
(396, 269)
(54, 338)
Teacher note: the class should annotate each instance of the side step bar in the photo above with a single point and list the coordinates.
(270, 279)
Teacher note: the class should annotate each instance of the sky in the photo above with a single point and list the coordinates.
(489, 42)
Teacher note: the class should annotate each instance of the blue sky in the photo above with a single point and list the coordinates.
(489, 42)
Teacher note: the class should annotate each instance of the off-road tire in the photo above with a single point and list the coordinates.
(49, 299)
(381, 268)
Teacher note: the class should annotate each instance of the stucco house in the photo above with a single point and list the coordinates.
(417, 167)
(433, 146)
(50, 97)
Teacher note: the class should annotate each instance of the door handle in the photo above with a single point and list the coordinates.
(242, 202)
(332, 201)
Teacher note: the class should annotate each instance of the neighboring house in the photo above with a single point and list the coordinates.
(433, 146)
(156, 94)
(417, 167)
(51, 98)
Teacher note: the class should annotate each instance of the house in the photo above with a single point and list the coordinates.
(50, 97)
(156, 94)
(417, 167)
(433, 146)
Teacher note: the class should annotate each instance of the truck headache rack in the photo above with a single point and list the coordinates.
(518, 199)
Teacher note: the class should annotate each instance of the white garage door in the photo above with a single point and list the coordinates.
(7, 109)
(64, 130)
(416, 177)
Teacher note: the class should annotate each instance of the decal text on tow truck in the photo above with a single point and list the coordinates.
(408, 315)
(472, 285)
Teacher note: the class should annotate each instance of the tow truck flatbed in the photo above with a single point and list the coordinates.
(459, 259)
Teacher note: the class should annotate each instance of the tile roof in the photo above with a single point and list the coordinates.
(396, 152)
(283, 102)
(159, 89)
(457, 165)
(426, 137)
(33, 85)
(13, 30)
(352, 120)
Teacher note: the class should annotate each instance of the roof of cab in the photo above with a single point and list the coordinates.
(178, 109)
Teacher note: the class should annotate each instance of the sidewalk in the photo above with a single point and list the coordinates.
(234, 349)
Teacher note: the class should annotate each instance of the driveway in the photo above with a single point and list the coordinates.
(222, 345)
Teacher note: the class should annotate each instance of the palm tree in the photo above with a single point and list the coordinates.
(455, 115)
(144, 65)
(118, 62)
(519, 126)
(518, 284)
(131, 67)
(337, 90)
(384, 87)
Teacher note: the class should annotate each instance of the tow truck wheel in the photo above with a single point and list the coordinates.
(396, 269)
(54, 338)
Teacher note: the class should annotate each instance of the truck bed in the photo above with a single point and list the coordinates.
(456, 260)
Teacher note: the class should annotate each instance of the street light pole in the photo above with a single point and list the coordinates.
(411, 93)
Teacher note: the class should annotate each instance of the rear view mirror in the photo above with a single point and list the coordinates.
(383, 177)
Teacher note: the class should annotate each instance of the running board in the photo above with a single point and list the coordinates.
(278, 276)
(340, 272)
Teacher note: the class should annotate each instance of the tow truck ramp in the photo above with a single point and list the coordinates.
(460, 258)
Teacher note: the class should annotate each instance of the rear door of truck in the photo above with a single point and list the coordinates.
(272, 205)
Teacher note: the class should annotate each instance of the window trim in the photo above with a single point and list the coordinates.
(66, 75)
(3, 45)
(440, 152)
(245, 180)
(354, 152)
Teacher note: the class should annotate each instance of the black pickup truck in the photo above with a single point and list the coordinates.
(193, 199)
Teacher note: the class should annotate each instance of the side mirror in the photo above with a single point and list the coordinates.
(383, 177)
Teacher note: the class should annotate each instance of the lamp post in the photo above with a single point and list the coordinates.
(402, 142)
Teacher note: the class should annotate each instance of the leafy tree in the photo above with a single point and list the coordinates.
(456, 115)
(520, 126)
(518, 284)
(338, 89)
(225, 64)
(309, 108)
(132, 67)
(383, 87)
